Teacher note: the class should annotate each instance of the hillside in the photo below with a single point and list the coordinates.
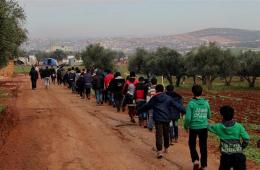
(237, 37)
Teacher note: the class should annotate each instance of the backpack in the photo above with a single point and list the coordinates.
(131, 89)
(72, 76)
(140, 91)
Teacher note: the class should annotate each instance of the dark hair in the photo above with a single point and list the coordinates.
(153, 81)
(227, 112)
(141, 79)
(72, 68)
(117, 74)
(170, 88)
(159, 88)
(196, 90)
(132, 74)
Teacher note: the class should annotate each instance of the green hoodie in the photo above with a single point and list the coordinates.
(230, 134)
(197, 114)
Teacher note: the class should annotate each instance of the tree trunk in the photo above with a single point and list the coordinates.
(228, 80)
(169, 78)
(178, 80)
(208, 83)
(204, 80)
(148, 75)
(251, 83)
(194, 79)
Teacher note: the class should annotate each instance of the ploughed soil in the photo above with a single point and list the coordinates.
(56, 130)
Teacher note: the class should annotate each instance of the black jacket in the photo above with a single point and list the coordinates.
(117, 84)
(34, 74)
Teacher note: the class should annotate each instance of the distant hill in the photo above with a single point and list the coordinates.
(225, 37)
(229, 35)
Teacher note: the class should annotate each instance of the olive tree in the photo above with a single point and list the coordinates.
(12, 33)
(206, 61)
(96, 56)
(228, 67)
(168, 63)
(249, 64)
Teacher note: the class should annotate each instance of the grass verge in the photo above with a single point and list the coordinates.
(21, 69)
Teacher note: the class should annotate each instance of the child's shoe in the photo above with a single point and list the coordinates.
(159, 154)
(196, 165)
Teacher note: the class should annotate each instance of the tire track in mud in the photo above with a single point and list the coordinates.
(102, 116)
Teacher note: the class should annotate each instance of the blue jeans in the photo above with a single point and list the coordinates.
(174, 130)
(99, 96)
(150, 120)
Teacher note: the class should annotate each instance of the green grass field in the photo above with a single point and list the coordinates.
(21, 69)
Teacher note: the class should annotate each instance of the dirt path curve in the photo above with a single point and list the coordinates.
(59, 131)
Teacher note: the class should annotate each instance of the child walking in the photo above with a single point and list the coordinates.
(175, 114)
(196, 122)
(230, 134)
(161, 105)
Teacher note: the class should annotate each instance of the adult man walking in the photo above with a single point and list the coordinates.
(34, 77)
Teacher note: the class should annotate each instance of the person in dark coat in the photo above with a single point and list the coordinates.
(80, 85)
(34, 77)
(162, 105)
(175, 114)
(99, 87)
(116, 87)
(88, 83)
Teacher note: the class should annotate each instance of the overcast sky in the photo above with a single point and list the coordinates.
(109, 18)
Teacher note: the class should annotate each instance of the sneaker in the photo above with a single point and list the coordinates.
(196, 165)
(159, 154)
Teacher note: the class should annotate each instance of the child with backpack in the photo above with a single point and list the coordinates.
(196, 122)
(116, 87)
(230, 134)
(129, 92)
(140, 98)
(151, 93)
(80, 85)
(161, 105)
(175, 114)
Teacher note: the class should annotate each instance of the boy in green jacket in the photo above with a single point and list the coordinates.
(196, 121)
(230, 134)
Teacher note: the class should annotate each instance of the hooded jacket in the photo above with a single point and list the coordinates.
(175, 113)
(161, 105)
(230, 133)
(34, 74)
(197, 114)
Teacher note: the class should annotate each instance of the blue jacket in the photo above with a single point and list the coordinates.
(175, 113)
(162, 105)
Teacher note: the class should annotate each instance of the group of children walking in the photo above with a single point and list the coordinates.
(160, 107)
(233, 136)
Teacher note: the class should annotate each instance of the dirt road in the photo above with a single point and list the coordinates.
(59, 131)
